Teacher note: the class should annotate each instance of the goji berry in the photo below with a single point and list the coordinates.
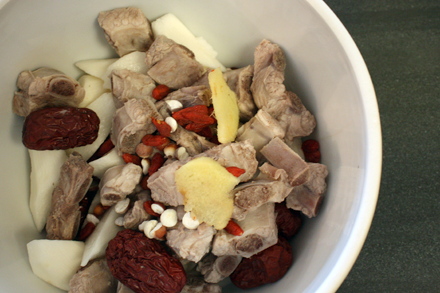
(144, 183)
(86, 231)
(158, 141)
(160, 92)
(314, 157)
(103, 149)
(163, 128)
(129, 158)
(156, 162)
(310, 146)
(237, 172)
(196, 127)
(206, 132)
(233, 228)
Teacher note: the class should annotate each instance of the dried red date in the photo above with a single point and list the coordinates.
(288, 221)
(143, 264)
(60, 128)
(265, 267)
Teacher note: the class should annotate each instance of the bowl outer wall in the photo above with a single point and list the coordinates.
(324, 67)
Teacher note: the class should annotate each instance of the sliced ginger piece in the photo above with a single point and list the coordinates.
(225, 107)
(206, 188)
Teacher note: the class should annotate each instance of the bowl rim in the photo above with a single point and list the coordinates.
(373, 161)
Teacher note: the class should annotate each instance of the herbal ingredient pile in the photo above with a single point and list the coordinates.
(163, 171)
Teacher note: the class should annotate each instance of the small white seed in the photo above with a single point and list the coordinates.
(122, 206)
(157, 208)
(145, 166)
(190, 222)
(169, 218)
(148, 227)
(170, 150)
(91, 218)
(182, 154)
(141, 226)
(119, 222)
(172, 123)
(174, 105)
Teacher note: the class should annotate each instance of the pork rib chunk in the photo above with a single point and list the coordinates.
(118, 182)
(172, 64)
(189, 96)
(45, 87)
(126, 29)
(260, 130)
(214, 269)
(191, 244)
(260, 232)
(266, 188)
(95, 277)
(307, 198)
(64, 217)
(239, 81)
(131, 123)
(137, 214)
(128, 85)
(270, 93)
(280, 155)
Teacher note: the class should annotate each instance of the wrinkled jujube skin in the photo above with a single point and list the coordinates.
(143, 264)
(265, 267)
(288, 221)
(60, 128)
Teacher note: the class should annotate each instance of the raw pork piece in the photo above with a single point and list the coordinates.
(123, 289)
(236, 154)
(172, 64)
(270, 94)
(238, 213)
(95, 277)
(131, 123)
(128, 85)
(239, 81)
(307, 198)
(292, 116)
(279, 154)
(191, 141)
(260, 232)
(64, 217)
(214, 269)
(118, 182)
(241, 155)
(191, 244)
(195, 284)
(265, 188)
(189, 96)
(137, 214)
(126, 29)
(260, 130)
(44, 88)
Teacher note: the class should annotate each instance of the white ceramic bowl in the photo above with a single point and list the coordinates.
(324, 68)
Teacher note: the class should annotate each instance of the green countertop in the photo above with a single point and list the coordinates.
(400, 42)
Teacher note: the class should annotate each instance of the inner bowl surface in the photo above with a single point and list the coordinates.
(324, 68)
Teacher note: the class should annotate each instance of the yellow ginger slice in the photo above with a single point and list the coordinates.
(225, 107)
(206, 188)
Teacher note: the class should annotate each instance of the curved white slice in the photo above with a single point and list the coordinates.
(55, 261)
(97, 242)
(171, 27)
(95, 67)
(107, 161)
(93, 87)
(45, 173)
(134, 61)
